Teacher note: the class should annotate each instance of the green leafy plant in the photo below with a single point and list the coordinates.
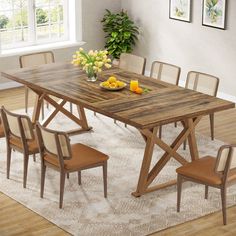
(121, 33)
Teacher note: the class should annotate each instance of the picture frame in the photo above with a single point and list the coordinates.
(180, 10)
(214, 13)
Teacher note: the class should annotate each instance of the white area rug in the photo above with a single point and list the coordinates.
(85, 211)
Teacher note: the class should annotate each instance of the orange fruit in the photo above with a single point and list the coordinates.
(139, 90)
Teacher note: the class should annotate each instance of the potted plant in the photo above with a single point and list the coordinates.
(121, 33)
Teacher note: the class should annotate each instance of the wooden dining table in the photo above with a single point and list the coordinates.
(162, 104)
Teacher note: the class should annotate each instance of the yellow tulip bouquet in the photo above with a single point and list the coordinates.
(92, 62)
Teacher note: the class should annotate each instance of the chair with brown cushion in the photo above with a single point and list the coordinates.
(217, 172)
(165, 72)
(204, 83)
(31, 60)
(20, 137)
(36, 59)
(132, 63)
(57, 152)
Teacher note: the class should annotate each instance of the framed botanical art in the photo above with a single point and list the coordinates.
(214, 13)
(180, 10)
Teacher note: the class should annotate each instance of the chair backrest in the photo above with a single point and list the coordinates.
(54, 143)
(165, 72)
(132, 63)
(202, 82)
(36, 59)
(226, 159)
(17, 125)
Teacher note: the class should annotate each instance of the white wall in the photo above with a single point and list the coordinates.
(189, 45)
(92, 33)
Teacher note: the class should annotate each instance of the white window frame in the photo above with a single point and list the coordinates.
(73, 25)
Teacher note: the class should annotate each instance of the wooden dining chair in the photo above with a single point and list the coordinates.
(20, 137)
(165, 72)
(132, 63)
(35, 59)
(204, 83)
(57, 152)
(217, 172)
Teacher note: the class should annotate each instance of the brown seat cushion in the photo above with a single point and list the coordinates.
(202, 170)
(82, 157)
(32, 144)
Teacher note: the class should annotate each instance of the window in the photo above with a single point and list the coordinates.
(32, 22)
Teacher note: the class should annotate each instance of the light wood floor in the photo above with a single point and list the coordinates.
(15, 219)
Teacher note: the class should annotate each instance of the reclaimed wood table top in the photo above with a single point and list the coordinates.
(164, 103)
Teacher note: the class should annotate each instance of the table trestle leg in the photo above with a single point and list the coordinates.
(147, 176)
(59, 107)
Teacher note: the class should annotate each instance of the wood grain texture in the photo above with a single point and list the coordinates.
(165, 103)
(28, 222)
(17, 220)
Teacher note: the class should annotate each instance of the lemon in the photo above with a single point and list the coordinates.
(113, 85)
(105, 84)
(112, 79)
(120, 83)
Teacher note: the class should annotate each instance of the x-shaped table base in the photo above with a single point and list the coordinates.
(147, 176)
(59, 107)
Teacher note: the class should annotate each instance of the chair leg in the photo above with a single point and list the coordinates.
(47, 105)
(43, 172)
(115, 121)
(179, 190)
(42, 109)
(175, 124)
(26, 161)
(68, 175)
(212, 121)
(223, 199)
(79, 177)
(62, 186)
(34, 157)
(105, 178)
(160, 131)
(125, 125)
(95, 113)
(185, 144)
(71, 107)
(26, 99)
(8, 161)
(206, 191)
